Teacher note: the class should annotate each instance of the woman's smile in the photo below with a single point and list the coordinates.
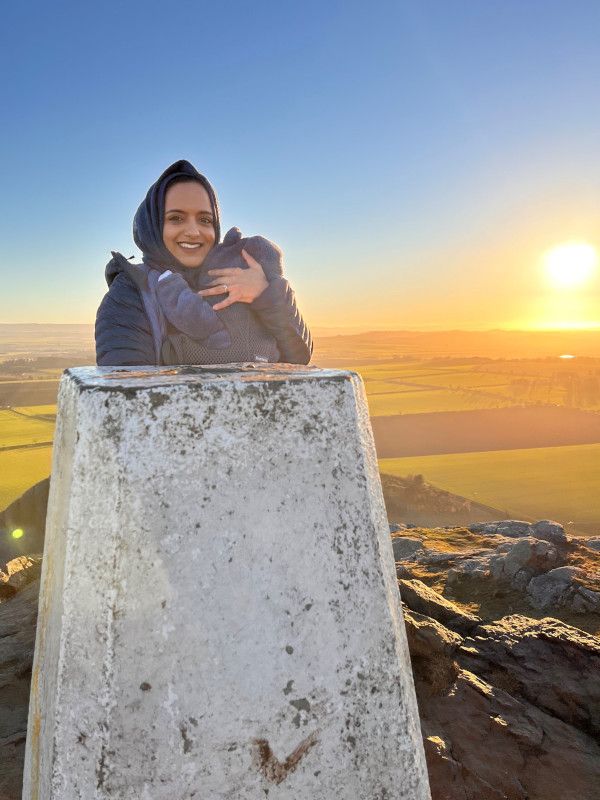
(188, 230)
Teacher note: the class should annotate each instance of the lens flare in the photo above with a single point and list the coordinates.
(18, 533)
(571, 264)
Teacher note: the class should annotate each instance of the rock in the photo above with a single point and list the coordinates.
(550, 664)
(405, 547)
(432, 649)
(544, 529)
(20, 571)
(593, 543)
(506, 527)
(550, 531)
(517, 562)
(17, 637)
(424, 600)
(468, 570)
(564, 587)
(483, 744)
(397, 526)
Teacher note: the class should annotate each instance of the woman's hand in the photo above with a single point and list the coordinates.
(243, 285)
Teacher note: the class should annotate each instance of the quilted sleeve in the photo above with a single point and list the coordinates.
(123, 332)
(277, 310)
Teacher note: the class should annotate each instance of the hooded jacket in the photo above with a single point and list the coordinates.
(124, 333)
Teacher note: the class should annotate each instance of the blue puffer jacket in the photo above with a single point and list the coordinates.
(124, 334)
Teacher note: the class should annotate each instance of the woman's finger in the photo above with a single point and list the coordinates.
(225, 272)
(251, 261)
(220, 289)
(224, 303)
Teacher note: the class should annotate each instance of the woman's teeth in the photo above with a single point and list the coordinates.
(188, 246)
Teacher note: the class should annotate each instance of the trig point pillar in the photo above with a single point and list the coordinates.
(219, 616)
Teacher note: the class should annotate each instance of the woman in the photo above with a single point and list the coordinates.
(170, 309)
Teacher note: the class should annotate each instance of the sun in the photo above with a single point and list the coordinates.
(571, 264)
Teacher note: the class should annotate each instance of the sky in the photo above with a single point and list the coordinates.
(414, 160)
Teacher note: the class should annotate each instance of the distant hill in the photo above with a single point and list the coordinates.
(389, 345)
(414, 501)
(41, 339)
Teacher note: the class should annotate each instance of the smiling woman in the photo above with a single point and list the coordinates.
(188, 230)
(171, 309)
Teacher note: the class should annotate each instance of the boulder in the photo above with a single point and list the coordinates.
(544, 529)
(464, 572)
(432, 649)
(564, 587)
(517, 562)
(405, 547)
(424, 600)
(505, 527)
(593, 543)
(550, 531)
(550, 664)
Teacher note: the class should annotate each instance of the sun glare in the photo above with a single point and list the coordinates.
(571, 264)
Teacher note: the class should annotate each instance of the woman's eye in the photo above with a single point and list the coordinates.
(174, 219)
(206, 221)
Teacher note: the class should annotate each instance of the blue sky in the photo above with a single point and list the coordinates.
(414, 159)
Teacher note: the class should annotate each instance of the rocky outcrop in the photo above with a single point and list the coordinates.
(565, 587)
(514, 563)
(18, 616)
(421, 598)
(503, 714)
(550, 664)
(510, 708)
(545, 529)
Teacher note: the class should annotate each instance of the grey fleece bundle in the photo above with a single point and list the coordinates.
(232, 334)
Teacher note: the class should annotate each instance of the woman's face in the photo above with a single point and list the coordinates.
(188, 231)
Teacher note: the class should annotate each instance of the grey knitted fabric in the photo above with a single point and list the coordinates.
(249, 339)
(250, 342)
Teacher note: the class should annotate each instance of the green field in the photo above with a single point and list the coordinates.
(396, 388)
(18, 429)
(37, 411)
(386, 404)
(563, 481)
(20, 469)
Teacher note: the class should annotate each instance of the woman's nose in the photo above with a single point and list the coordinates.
(192, 229)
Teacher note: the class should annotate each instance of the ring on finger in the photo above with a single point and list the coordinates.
(225, 287)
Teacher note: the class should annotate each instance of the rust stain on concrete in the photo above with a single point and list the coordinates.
(269, 765)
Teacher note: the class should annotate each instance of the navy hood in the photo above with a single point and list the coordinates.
(149, 218)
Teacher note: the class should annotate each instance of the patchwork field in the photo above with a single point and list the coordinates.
(461, 408)
(20, 469)
(15, 393)
(422, 386)
(21, 430)
(562, 483)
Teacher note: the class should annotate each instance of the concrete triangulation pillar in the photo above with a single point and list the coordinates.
(219, 615)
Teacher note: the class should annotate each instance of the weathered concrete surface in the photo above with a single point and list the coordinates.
(219, 616)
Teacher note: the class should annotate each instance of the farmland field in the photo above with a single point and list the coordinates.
(494, 416)
(37, 411)
(29, 392)
(20, 469)
(22, 430)
(562, 481)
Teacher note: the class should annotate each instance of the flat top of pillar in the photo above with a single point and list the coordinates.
(115, 378)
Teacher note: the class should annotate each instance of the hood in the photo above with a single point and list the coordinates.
(148, 224)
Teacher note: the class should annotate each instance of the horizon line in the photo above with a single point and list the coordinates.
(357, 329)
